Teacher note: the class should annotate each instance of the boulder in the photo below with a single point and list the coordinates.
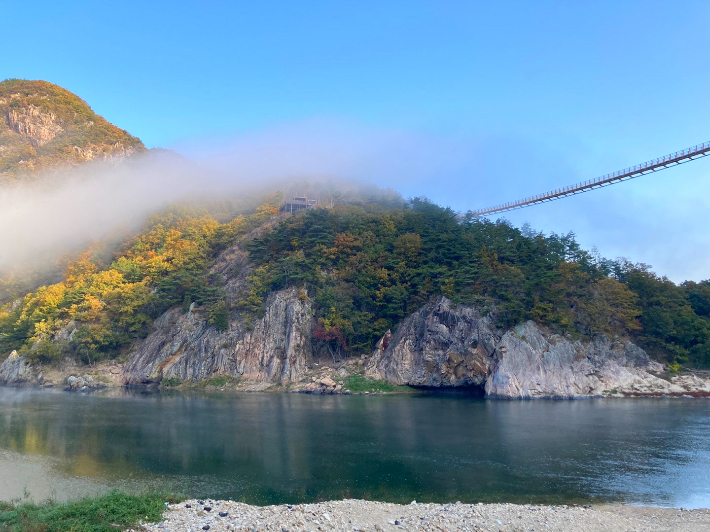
(327, 382)
(83, 383)
(16, 371)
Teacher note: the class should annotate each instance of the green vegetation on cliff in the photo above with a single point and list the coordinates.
(102, 306)
(368, 267)
(367, 262)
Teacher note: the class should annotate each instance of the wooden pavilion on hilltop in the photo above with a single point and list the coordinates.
(298, 203)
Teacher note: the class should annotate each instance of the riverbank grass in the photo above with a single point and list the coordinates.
(110, 512)
(359, 383)
(216, 381)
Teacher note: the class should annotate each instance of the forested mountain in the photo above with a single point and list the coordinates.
(371, 267)
(365, 259)
(45, 126)
(366, 266)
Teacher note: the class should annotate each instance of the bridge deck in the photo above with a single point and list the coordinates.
(673, 159)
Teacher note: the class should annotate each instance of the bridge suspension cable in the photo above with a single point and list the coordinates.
(673, 159)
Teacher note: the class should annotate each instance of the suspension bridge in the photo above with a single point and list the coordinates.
(661, 163)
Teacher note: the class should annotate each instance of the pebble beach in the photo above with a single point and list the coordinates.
(367, 516)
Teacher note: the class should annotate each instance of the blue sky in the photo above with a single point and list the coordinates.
(502, 99)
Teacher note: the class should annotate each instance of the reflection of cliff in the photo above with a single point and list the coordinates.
(626, 450)
(34, 423)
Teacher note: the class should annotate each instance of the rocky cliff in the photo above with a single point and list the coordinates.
(16, 371)
(444, 345)
(45, 126)
(276, 349)
(531, 362)
(441, 345)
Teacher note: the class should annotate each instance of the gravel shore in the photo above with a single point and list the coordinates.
(355, 515)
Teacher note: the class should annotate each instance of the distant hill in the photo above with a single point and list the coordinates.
(44, 126)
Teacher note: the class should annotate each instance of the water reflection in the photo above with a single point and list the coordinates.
(266, 448)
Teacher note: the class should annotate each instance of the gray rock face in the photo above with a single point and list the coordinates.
(532, 363)
(15, 371)
(184, 346)
(83, 384)
(441, 345)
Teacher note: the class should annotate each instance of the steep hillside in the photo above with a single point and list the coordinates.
(44, 126)
(191, 295)
(238, 288)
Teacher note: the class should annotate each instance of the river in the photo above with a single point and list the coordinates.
(274, 448)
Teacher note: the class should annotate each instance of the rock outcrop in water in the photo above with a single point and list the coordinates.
(16, 371)
(531, 362)
(444, 345)
(185, 347)
(441, 345)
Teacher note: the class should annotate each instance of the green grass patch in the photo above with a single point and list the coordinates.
(219, 381)
(359, 383)
(110, 512)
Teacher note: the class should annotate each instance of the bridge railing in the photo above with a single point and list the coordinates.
(678, 157)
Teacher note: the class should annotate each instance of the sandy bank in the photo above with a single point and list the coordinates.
(355, 515)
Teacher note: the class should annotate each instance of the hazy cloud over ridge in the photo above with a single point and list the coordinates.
(657, 219)
(65, 210)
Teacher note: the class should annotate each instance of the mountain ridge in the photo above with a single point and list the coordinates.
(225, 290)
(44, 126)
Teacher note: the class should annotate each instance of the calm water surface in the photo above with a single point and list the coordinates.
(274, 448)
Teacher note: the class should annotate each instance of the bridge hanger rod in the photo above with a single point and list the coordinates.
(673, 159)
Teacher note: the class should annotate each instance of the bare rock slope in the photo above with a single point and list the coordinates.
(533, 363)
(186, 347)
(275, 348)
(441, 345)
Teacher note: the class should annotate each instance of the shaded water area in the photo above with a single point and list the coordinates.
(277, 448)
